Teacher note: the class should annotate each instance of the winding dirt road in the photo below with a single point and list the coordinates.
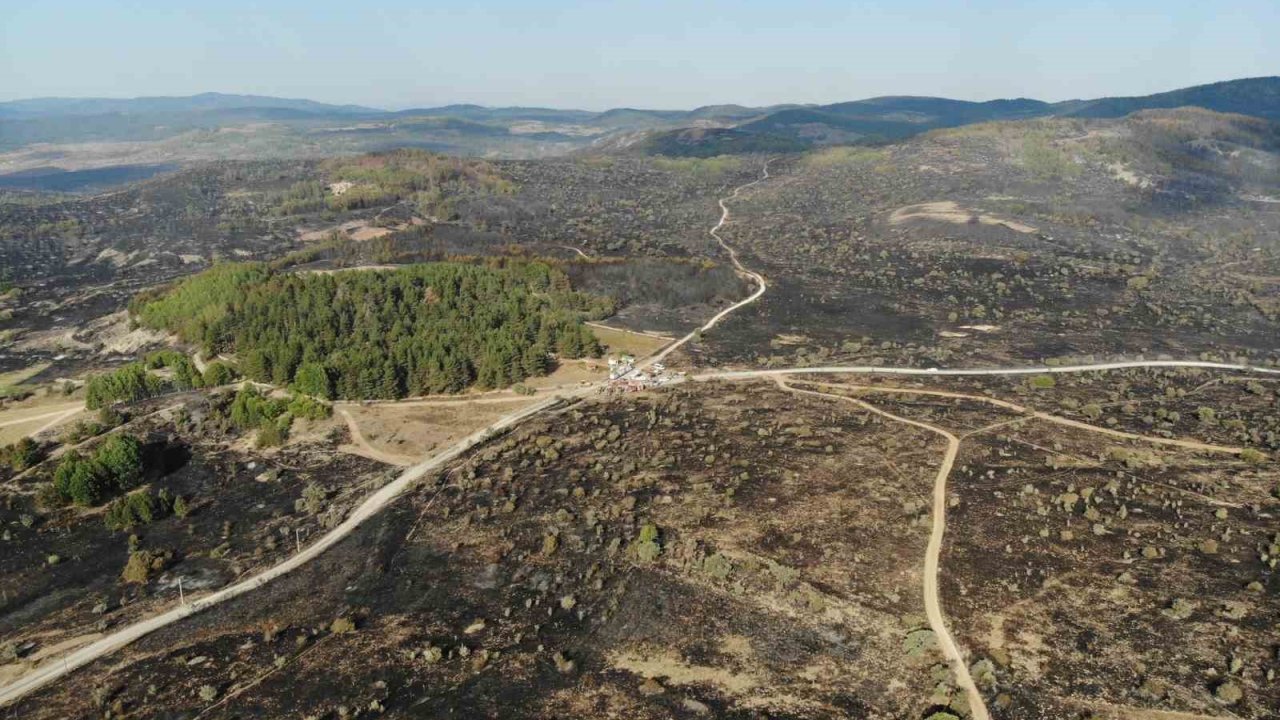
(756, 277)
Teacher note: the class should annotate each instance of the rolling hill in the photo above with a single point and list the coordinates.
(222, 126)
(892, 118)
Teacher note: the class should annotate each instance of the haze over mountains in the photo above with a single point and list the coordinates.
(95, 133)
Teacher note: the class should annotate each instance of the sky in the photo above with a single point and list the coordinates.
(656, 53)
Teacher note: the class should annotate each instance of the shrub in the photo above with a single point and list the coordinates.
(185, 375)
(79, 480)
(120, 457)
(313, 499)
(20, 455)
(109, 418)
(647, 546)
(180, 507)
(1043, 382)
(270, 435)
(218, 373)
(141, 563)
(309, 408)
(1228, 693)
(252, 410)
(137, 508)
(1252, 456)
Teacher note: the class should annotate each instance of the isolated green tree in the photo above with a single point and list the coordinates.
(120, 458)
(313, 379)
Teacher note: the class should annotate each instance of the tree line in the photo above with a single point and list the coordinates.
(135, 381)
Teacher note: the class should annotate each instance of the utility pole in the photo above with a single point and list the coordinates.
(182, 598)
(297, 538)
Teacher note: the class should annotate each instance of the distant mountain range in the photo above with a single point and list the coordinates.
(55, 106)
(314, 127)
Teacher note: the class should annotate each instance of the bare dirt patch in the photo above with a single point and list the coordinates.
(950, 212)
(661, 663)
(411, 429)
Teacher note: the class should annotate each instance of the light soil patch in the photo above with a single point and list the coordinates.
(617, 341)
(406, 431)
(356, 230)
(1122, 173)
(949, 211)
(115, 257)
(37, 409)
(662, 663)
(113, 335)
(332, 271)
(322, 233)
(789, 340)
(369, 233)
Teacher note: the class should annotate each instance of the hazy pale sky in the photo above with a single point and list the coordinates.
(654, 53)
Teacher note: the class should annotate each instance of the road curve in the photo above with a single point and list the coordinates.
(374, 503)
(756, 277)
(933, 552)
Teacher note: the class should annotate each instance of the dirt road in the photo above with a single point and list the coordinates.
(756, 277)
(933, 552)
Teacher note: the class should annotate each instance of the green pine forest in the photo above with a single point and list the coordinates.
(384, 334)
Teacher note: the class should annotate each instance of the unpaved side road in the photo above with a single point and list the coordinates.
(938, 528)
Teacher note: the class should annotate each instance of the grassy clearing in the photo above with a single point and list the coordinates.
(617, 341)
(17, 423)
(844, 155)
(10, 381)
(707, 168)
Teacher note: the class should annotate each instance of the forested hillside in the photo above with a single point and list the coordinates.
(431, 328)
